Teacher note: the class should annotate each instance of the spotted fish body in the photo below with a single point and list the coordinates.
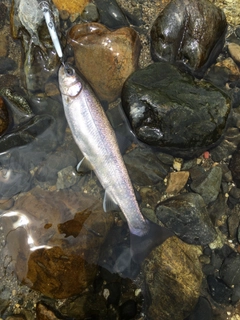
(96, 139)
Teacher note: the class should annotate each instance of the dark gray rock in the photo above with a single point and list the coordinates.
(191, 32)
(111, 14)
(202, 311)
(227, 146)
(31, 143)
(7, 64)
(208, 186)
(187, 217)
(234, 166)
(230, 270)
(169, 110)
(48, 170)
(13, 181)
(144, 167)
(218, 290)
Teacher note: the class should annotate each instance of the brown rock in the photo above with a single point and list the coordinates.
(4, 119)
(4, 43)
(55, 240)
(106, 58)
(177, 181)
(44, 313)
(173, 275)
(231, 67)
(234, 50)
(73, 6)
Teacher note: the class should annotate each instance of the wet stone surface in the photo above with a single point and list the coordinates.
(169, 110)
(187, 216)
(193, 26)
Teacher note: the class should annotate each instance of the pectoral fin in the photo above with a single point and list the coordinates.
(108, 203)
(84, 166)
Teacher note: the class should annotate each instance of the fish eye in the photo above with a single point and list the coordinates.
(69, 71)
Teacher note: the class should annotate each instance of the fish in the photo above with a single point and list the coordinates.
(96, 139)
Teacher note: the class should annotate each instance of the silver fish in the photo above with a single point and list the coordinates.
(96, 139)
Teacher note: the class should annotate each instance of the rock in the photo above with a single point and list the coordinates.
(3, 14)
(209, 185)
(169, 110)
(16, 317)
(144, 167)
(7, 64)
(75, 6)
(66, 230)
(90, 13)
(128, 309)
(234, 166)
(117, 50)
(4, 45)
(202, 311)
(176, 181)
(88, 305)
(9, 81)
(218, 290)
(45, 313)
(48, 170)
(188, 218)
(41, 60)
(67, 178)
(111, 14)
(230, 270)
(189, 32)
(173, 276)
(232, 15)
(13, 180)
(4, 119)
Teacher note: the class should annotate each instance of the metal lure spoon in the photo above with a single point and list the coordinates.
(44, 6)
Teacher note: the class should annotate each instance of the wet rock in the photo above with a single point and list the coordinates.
(234, 166)
(128, 309)
(87, 305)
(9, 81)
(3, 305)
(177, 181)
(218, 290)
(53, 107)
(234, 49)
(189, 32)
(7, 64)
(48, 170)
(90, 13)
(173, 276)
(169, 110)
(66, 229)
(227, 146)
(117, 50)
(188, 218)
(45, 313)
(145, 167)
(41, 60)
(111, 14)
(16, 317)
(31, 143)
(73, 6)
(230, 270)
(4, 119)
(208, 186)
(3, 14)
(13, 181)
(202, 311)
(67, 178)
(4, 45)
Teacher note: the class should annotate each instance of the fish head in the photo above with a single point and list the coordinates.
(69, 82)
